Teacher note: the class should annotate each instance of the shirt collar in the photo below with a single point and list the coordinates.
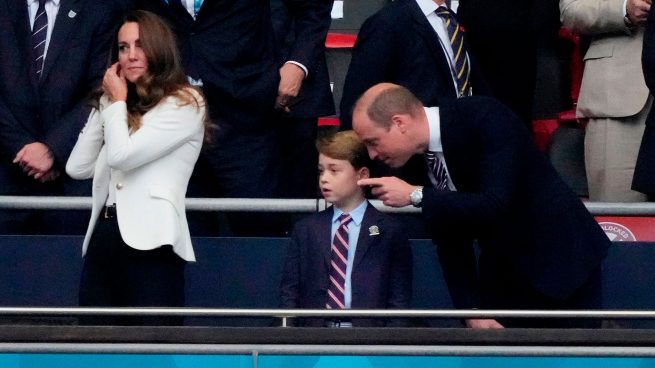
(428, 6)
(434, 126)
(30, 2)
(357, 214)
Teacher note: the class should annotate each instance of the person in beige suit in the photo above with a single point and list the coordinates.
(613, 97)
(140, 146)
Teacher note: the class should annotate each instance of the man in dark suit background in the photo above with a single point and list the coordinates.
(43, 102)
(505, 36)
(406, 43)
(539, 247)
(228, 48)
(298, 123)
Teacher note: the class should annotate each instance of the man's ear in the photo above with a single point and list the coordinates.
(400, 121)
(364, 173)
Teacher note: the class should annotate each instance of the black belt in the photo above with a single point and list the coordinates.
(109, 212)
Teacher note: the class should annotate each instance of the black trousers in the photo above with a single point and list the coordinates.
(117, 275)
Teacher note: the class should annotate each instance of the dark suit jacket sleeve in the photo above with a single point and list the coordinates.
(62, 139)
(373, 60)
(13, 135)
(290, 284)
(311, 24)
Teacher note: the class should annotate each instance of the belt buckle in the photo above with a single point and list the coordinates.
(107, 210)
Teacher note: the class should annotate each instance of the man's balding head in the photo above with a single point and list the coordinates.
(382, 101)
(390, 121)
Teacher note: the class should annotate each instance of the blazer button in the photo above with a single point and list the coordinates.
(119, 186)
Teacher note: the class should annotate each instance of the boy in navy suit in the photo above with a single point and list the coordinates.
(350, 255)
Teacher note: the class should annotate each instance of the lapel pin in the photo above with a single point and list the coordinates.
(72, 14)
(373, 230)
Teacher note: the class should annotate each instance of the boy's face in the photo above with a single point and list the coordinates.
(338, 181)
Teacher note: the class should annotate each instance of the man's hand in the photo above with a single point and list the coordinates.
(114, 84)
(390, 190)
(483, 324)
(637, 11)
(36, 160)
(291, 77)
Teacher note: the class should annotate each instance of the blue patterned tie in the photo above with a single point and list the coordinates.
(39, 33)
(460, 57)
(339, 262)
(438, 174)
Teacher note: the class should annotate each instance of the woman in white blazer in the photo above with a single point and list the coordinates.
(140, 146)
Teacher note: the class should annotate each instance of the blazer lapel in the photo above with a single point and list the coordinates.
(366, 240)
(431, 39)
(324, 235)
(66, 18)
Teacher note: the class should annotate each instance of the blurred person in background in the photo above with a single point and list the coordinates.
(53, 54)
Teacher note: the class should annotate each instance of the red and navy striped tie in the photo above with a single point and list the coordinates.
(39, 33)
(338, 264)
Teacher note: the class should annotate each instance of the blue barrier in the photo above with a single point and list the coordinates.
(245, 273)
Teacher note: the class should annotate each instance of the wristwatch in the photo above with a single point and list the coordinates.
(416, 196)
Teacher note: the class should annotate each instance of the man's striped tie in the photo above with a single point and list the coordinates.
(460, 56)
(438, 174)
(39, 33)
(338, 264)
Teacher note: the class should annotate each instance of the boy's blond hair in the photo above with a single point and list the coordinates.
(344, 145)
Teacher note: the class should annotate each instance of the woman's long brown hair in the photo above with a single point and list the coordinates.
(165, 76)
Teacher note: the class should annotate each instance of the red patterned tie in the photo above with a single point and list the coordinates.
(338, 264)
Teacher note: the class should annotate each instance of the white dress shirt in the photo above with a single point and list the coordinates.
(51, 10)
(434, 145)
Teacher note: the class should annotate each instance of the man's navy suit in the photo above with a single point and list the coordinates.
(533, 232)
(382, 270)
(298, 128)
(398, 45)
(230, 46)
(53, 109)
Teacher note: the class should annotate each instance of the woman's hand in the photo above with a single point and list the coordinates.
(114, 84)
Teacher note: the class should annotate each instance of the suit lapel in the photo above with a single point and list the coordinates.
(366, 240)
(431, 39)
(69, 12)
(324, 235)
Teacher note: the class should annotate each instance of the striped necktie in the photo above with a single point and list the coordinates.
(39, 34)
(461, 68)
(438, 174)
(338, 264)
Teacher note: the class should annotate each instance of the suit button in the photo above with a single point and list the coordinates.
(119, 186)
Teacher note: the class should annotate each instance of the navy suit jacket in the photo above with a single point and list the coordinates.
(398, 45)
(231, 47)
(644, 176)
(382, 269)
(512, 201)
(315, 96)
(54, 109)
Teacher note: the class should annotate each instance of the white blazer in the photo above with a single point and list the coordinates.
(151, 167)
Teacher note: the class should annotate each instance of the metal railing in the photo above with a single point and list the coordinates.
(285, 314)
(283, 205)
